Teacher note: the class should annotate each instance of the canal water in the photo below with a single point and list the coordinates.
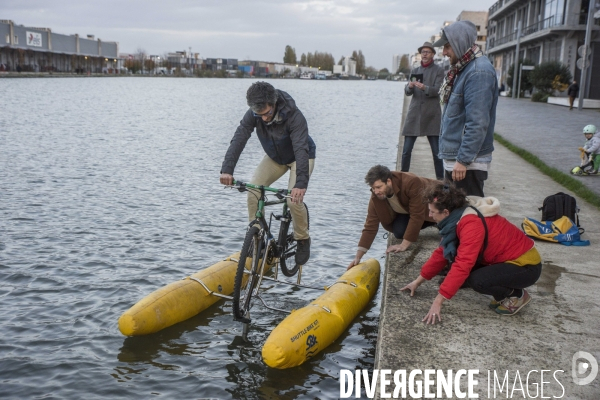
(109, 190)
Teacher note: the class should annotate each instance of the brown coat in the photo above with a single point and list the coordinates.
(408, 187)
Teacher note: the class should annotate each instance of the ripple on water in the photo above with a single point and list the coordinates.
(118, 209)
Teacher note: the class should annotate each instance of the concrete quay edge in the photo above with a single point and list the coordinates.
(563, 316)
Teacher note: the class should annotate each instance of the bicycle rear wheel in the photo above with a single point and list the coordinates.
(246, 281)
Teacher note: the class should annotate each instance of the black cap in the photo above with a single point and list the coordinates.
(442, 41)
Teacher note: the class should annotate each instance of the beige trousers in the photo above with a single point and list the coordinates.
(267, 172)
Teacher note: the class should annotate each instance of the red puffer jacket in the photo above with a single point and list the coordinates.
(506, 242)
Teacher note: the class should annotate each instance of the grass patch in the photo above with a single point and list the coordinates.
(560, 177)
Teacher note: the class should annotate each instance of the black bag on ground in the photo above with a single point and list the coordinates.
(560, 204)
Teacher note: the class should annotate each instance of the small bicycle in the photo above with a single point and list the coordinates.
(261, 250)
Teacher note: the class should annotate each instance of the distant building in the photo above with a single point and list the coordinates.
(438, 57)
(480, 19)
(287, 69)
(348, 67)
(259, 69)
(184, 60)
(33, 49)
(415, 59)
(220, 64)
(552, 30)
(396, 58)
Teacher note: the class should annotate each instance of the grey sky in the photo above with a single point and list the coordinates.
(254, 29)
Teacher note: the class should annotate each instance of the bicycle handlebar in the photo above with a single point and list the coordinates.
(242, 186)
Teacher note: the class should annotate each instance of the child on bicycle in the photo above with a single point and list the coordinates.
(592, 147)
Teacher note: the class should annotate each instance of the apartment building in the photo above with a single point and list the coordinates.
(479, 18)
(552, 30)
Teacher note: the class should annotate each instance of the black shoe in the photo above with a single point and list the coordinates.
(302, 251)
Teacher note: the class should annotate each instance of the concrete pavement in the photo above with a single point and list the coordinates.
(552, 133)
(564, 315)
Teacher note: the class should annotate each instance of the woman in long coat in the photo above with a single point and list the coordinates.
(424, 113)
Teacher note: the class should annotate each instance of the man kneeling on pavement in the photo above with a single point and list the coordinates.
(397, 203)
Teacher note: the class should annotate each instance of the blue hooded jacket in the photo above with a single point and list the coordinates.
(469, 117)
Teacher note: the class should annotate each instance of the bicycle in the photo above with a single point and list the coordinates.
(260, 251)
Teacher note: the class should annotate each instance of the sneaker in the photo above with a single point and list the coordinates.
(512, 305)
(593, 172)
(302, 251)
(495, 303)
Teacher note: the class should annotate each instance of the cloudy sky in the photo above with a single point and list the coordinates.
(248, 29)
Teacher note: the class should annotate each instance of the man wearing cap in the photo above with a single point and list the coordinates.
(424, 112)
(469, 95)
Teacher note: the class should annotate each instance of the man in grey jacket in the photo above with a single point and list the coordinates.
(424, 113)
(469, 95)
(283, 133)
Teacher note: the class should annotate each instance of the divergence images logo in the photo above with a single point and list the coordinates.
(580, 368)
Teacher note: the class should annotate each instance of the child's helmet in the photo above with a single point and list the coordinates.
(589, 129)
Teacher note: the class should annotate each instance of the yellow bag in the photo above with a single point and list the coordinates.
(562, 231)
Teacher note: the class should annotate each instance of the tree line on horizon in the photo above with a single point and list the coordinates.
(324, 61)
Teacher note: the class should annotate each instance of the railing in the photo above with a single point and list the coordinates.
(555, 20)
(505, 39)
(583, 19)
(498, 5)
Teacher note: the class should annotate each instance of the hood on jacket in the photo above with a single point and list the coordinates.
(487, 206)
(285, 106)
(461, 35)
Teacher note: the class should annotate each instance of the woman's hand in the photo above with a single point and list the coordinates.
(414, 285)
(435, 311)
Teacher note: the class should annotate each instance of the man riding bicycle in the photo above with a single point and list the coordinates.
(283, 134)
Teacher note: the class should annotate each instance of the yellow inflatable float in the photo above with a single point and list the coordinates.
(311, 329)
(181, 300)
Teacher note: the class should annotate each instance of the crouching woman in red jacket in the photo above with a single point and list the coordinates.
(482, 248)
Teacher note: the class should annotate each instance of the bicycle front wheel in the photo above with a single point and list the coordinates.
(247, 280)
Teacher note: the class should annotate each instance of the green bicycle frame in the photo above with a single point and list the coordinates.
(261, 201)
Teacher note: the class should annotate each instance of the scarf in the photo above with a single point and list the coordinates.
(448, 231)
(426, 65)
(446, 88)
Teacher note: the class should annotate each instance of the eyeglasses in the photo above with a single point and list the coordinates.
(267, 114)
(426, 52)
